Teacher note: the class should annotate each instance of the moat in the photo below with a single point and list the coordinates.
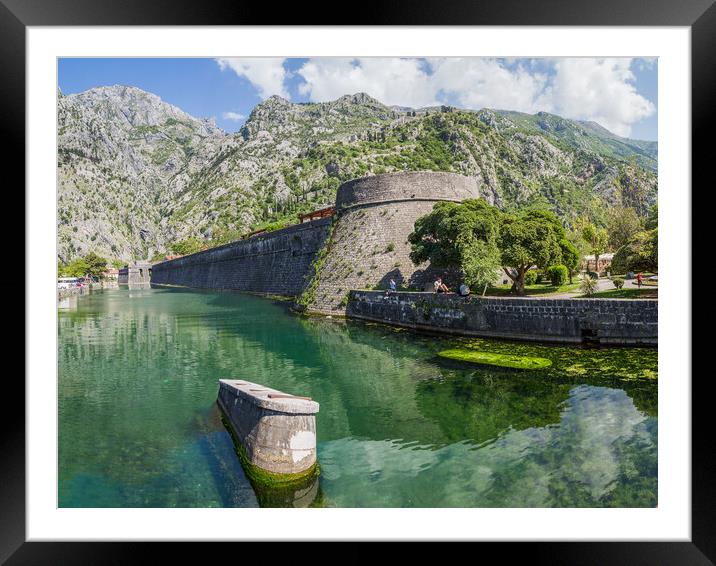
(398, 426)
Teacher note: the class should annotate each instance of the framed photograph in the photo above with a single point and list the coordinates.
(396, 279)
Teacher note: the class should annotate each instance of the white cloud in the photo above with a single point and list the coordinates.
(487, 83)
(266, 74)
(393, 81)
(602, 90)
(233, 116)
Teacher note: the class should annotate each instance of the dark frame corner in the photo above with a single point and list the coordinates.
(699, 15)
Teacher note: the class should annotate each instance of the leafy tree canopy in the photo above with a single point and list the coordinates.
(480, 238)
(76, 268)
(652, 219)
(189, 246)
(622, 223)
(96, 265)
(532, 238)
(441, 236)
(640, 254)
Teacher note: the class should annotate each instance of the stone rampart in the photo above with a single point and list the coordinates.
(606, 321)
(369, 245)
(278, 262)
(366, 246)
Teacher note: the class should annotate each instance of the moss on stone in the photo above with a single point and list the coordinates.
(493, 359)
(263, 479)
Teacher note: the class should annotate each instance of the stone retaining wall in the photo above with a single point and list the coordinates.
(607, 321)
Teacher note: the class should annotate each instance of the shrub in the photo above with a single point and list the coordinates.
(390, 247)
(530, 277)
(558, 274)
(588, 286)
(618, 282)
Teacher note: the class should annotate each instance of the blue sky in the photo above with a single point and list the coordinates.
(620, 94)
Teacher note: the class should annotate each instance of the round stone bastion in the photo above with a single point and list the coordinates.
(414, 186)
(369, 242)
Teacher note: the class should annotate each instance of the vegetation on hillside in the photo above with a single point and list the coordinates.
(167, 181)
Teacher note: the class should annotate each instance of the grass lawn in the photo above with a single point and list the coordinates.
(532, 290)
(626, 294)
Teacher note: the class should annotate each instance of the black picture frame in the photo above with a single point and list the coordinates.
(699, 15)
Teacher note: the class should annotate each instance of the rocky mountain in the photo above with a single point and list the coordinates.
(137, 175)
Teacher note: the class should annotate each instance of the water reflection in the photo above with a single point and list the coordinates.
(139, 376)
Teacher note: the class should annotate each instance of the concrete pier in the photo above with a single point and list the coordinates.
(276, 431)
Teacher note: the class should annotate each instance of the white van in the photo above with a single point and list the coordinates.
(67, 282)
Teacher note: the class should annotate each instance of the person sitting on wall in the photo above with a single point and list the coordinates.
(464, 290)
(440, 287)
(392, 288)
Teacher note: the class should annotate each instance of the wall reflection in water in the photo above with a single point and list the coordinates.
(397, 426)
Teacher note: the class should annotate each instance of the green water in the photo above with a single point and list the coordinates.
(398, 426)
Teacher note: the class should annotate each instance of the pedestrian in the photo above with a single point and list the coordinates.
(639, 278)
(392, 287)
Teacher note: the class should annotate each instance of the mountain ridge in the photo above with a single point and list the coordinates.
(137, 174)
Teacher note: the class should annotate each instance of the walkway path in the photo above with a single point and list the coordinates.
(602, 285)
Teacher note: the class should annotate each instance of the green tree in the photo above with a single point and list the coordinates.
(96, 265)
(652, 219)
(479, 238)
(480, 262)
(188, 246)
(597, 240)
(76, 268)
(622, 223)
(531, 238)
(443, 235)
(640, 254)
(571, 258)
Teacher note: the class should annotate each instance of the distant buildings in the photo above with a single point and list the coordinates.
(605, 262)
(112, 274)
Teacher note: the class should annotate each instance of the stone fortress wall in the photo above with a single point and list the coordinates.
(332, 262)
(137, 274)
(369, 243)
(366, 245)
(277, 262)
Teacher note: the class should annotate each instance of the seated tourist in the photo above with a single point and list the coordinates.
(392, 288)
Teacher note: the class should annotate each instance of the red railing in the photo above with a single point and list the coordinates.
(316, 214)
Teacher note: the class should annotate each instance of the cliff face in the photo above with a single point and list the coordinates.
(136, 174)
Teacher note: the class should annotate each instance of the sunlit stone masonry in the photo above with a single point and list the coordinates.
(276, 432)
